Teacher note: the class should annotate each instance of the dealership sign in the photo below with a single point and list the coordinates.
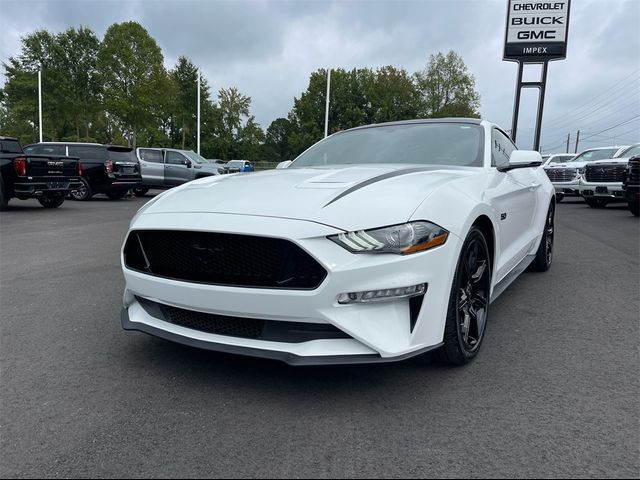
(536, 31)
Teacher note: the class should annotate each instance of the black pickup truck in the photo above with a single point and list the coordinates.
(49, 178)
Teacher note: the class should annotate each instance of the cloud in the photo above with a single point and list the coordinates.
(268, 48)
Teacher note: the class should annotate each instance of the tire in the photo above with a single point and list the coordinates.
(140, 191)
(559, 197)
(596, 202)
(84, 193)
(634, 207)
(467, 320)
(116, 195)
(4, 199)
(544, 255)
(51, 202)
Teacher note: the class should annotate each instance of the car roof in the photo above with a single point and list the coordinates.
(9, 138)
(475, 121)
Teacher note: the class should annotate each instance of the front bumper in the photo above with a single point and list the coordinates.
(608, 190)
(568, 189)
(376, 332)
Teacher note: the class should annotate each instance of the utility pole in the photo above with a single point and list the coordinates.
(198, 111)
(568, 140)
(577, 141)
(40, 102)
(326, 110)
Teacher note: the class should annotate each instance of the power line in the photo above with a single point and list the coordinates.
(611, 128)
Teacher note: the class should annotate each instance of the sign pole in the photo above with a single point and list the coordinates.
(40, 103)
(568, 141)
(516, 104)
(198, 111)
(543, 88)
(577, 141)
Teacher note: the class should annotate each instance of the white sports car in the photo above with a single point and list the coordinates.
(376, 244)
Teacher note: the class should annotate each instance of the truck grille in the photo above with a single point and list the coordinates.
(222, 259)
(252, 328)
(605, 173)
(561, 174)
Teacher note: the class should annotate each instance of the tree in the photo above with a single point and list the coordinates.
(132, 73)
(277, 146)
(392, 95)
(448, 89)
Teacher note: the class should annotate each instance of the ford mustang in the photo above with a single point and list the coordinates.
(376, 244)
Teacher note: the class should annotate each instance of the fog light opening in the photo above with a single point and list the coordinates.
(384, 295)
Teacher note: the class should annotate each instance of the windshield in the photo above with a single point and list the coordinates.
(194, 156)
(560, 158)
(593, 155)
(457, 144)
(631, 151)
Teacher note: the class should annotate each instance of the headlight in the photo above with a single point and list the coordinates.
(400, 239)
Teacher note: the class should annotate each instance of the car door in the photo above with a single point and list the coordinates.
(177, 168)
(151, 167)
(513, 195)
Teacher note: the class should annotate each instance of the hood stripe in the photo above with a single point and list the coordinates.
(380, 178)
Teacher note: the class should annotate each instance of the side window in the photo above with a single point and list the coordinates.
(153, 156)
(175, 158)
(88, 152)
(35, 149)
(501, 148)
(51, 150)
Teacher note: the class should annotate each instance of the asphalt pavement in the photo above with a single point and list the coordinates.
(555, 391)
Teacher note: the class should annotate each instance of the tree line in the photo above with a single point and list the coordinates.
(117, 90)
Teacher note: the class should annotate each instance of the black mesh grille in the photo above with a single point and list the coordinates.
(252, 328)
(605, 173)
(223, 259)
(561, 174)
(218, 324)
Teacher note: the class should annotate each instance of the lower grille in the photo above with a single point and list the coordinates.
(561, 174)
(222, 259)
(251, 328)
(605, 173)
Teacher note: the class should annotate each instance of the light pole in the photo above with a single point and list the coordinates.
(326, 111)
(198, 112)
(40, 103)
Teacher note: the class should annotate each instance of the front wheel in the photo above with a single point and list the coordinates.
(634, 207)
(140, 191)
(468, 302)
(51, 202)
(596, 202)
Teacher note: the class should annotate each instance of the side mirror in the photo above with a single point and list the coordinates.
(187, 163)
(284, 164)
(522, 159)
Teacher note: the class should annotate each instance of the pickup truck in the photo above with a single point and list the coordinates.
(169, 167)
(49, 178)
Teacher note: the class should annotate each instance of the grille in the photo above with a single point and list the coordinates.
(633, 175)
(218, 324)
(223, 259)
(561, 174)
(251, 328)
(605, 173)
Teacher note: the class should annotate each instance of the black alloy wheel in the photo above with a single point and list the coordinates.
(544, 255)
(117, 195)
(140, 191)
(469, 302)
(84, 192)
(559, 197)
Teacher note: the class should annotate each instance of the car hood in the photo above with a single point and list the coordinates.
(567, 165)
(621, 160)
(350, 198)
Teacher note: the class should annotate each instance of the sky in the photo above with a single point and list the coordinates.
(268, 49)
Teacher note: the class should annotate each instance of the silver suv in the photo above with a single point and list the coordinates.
(169, 167)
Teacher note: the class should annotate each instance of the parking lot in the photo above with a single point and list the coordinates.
(555, 391)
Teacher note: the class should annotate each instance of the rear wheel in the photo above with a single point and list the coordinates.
(140, 191)
(468, 302)
(596, 202)
(116, 195)
(544, 255)
(634, 207)
(51, 202)
(4, 198)
(84, 192)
